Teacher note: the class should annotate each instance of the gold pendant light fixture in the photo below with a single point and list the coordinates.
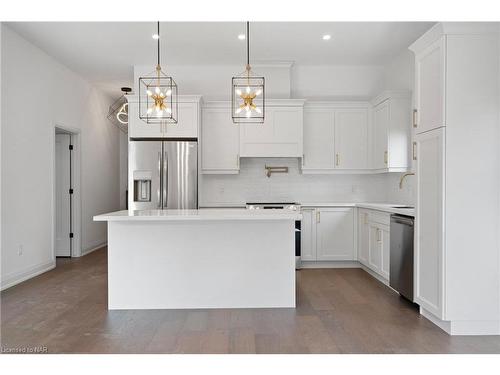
(247, 93)
(158, 102)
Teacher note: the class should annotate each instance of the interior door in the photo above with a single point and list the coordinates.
(335, 234)
(180, 175)
(351, 139)
(63, 197)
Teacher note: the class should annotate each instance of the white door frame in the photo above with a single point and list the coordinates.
(76, 215)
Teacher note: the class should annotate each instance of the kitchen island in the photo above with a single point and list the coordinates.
(207, 258)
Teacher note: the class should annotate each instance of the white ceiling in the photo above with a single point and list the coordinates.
(106, 51)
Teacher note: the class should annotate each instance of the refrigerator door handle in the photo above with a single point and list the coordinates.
(158, 205)
(165, 179)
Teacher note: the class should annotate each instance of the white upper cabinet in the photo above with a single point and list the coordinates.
(335, 137)
(391, 132)
(319, 140)
(430, 87)
(281, 133)
(187, 126)
(219, 140)
(380, 138)
(351, 139)
(335, 234)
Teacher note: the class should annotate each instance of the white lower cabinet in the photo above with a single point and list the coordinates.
(328, 234)
(374, 241)
(335, 234)
(363, 236)
(308, 234)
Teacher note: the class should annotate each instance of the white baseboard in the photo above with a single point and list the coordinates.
(443, 324)
(374, 274)
(86, 252)
(331, 264)
(464, 327)
(19, 277)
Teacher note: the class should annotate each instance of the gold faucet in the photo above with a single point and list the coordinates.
(403, 177)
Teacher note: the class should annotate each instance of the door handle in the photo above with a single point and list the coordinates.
(318, 217)
(303, 160)
(385, 157)
(414, 118)
(414, 151)
(379, 237)
(337, 159)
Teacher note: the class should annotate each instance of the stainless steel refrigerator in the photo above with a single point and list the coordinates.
(164, 175)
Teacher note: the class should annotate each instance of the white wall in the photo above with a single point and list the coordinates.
(63, 98)
(335, 82)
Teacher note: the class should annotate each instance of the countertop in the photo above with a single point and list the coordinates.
(392, 208)
(205, 214)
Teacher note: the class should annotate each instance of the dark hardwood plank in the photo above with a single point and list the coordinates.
(338, 311)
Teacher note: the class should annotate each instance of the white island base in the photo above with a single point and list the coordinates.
(200, 259)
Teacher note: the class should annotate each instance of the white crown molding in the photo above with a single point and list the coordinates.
(453, 28)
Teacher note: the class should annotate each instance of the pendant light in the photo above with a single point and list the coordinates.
(158, 94)
(247, 94)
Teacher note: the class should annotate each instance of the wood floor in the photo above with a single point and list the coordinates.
(338, 311)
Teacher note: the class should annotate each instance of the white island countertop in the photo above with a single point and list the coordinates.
(213, 214)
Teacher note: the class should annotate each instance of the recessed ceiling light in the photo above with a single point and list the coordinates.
(241, 37)
(327, 37)
(156, 36)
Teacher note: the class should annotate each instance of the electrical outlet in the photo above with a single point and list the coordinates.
(20, 250)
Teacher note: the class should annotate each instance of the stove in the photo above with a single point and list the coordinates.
(293, 206)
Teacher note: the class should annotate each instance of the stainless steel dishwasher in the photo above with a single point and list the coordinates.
(401, 259)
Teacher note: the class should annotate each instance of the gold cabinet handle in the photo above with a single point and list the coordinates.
(385, 157)
(337, 160)
(318, 217)
(415, 118)
(414, 151)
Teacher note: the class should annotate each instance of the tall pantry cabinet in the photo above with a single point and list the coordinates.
(456, 156)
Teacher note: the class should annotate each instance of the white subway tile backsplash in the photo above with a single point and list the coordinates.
(252, 184)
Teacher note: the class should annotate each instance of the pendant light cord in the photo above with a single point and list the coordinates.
(158, 28)
(248, 43)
